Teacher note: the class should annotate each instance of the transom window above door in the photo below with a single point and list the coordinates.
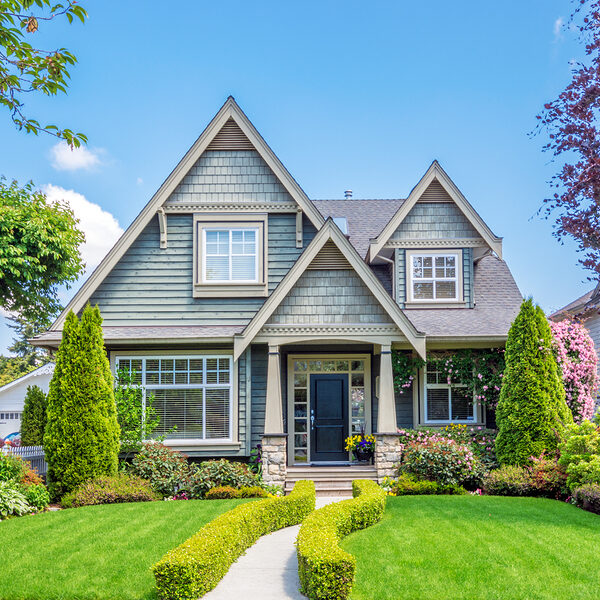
(230, 254)
(434, 276)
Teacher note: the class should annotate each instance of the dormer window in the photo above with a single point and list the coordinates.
(434, 277)
(230, 255)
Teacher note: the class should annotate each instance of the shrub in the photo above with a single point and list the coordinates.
(110, 490)
(81, 440)
(167, 470)
(30, 477)
(217, 473)
(407, 485)
(587, 497)
(222, 491)
(326, 571)
(580, 454)
(544, 477)
(442, 460)
(12, 468)
(252, 492)
(36, 495)
(532, 412)
(33, 421)
(197, 565)
(12, 501)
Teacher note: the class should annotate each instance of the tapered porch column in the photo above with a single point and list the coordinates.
(386, 415)
(273, 404)
(274, 441)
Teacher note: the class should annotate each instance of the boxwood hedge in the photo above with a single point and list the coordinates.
(196, 566)
(325, 570)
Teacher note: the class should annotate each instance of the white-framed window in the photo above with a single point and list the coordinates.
(193, 395)
(434, 276)
(444, 402)
(230, 255)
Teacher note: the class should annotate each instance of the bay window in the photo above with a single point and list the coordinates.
(192, 394)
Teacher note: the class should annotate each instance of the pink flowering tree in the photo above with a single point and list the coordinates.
(577, 358)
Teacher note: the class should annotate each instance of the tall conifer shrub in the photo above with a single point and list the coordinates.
(532, 412)
(33, 421)
(82, 434)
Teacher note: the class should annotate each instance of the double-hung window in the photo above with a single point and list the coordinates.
(192, 395)
(446, 402)
(434, 276)
(230, 255)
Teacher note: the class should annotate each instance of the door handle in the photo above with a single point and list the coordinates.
(312, 421)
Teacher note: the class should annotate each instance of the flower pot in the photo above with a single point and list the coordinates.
(363, 456)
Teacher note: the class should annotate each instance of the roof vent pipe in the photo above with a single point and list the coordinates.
(348, 194)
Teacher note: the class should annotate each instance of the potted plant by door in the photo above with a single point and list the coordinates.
(362, 446)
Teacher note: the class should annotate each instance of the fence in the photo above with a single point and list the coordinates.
(32, 454)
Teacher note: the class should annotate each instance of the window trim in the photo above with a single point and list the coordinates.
(216, 289)
(233, 392)
(230, 255)
(458, 299)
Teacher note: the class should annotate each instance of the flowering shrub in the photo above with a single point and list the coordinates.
(577, 358)
(30, 477)
(436, 458)
(12, 468)
(543, 477)
(580, 454)
(220, 492)
(110, 490)
(167, 470)
(217, 473)
(587, 497)
(407, 485)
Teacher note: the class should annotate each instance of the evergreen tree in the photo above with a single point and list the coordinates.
(532, 412)
(33, 421)
(82, 434)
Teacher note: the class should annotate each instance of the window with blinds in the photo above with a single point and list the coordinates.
(230, 255)
(445, 402)
(192, 395)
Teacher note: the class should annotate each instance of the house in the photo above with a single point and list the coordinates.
(587, 310)
(253, 313)
(12, 399)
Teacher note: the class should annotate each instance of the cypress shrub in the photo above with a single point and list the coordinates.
(82, 433)
(532, 412)
(33, 421)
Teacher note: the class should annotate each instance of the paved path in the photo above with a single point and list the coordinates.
(268, 570)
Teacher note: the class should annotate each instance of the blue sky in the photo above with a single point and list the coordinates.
(360, 95)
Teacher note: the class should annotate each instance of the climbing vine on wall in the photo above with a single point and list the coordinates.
(479, 370)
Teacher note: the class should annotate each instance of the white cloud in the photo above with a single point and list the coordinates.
(139, 181)
(100, 227)
(65, 158)
(558, 27)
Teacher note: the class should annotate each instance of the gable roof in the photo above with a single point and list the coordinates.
(435, 173)
(366, 218)
(230, 111)
(330, 232)
(578, 307)
(46, 369)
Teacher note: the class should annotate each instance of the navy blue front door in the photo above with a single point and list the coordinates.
(328, 417)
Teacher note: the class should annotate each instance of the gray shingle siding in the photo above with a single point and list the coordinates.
(435, 220)
(150, 285)
(259, 392)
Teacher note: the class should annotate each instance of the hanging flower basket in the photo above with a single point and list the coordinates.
(362, 447)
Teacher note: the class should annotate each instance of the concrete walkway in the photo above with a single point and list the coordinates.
(268, 570)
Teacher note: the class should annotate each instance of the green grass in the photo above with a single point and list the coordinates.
(470, 547)
(96, 552)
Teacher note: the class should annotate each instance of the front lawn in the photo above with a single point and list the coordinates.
(465, 547)
(96, 552)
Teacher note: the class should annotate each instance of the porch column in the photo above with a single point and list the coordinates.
(273, 408)
(274, 441)
(386, 413)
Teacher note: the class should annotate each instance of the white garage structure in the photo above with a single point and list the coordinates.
(12, 399)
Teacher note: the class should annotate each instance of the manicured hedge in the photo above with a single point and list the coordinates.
(326, 571)
(196, 566)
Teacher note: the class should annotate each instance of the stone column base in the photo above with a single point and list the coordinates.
(387, 454)
(274, 458)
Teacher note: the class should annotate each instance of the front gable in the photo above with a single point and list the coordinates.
(230, 168)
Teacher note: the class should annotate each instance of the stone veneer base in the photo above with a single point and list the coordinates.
(387, 454)
(274, 453)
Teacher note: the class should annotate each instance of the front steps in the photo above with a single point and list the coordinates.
(330, 481)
